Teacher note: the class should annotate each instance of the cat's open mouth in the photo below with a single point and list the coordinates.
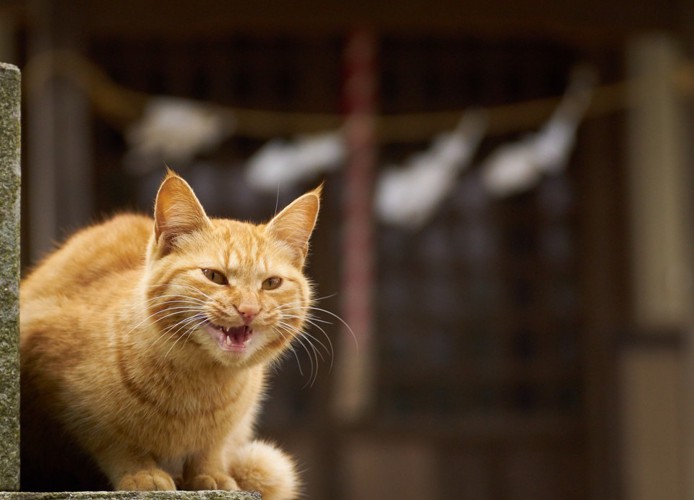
(231, 339)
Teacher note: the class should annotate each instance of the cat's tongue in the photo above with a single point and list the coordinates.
(233, 339)
(237, 338)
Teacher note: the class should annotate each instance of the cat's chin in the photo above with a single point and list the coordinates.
(230, 339)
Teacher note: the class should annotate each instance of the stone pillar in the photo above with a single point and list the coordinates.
(9, 276)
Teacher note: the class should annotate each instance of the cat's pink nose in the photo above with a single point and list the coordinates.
(248, 311)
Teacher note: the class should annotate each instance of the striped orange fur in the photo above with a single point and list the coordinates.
(145, 343)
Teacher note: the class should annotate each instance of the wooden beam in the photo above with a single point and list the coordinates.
(59, 168)
(654, 387)
(589, 21)
(355, 370)
(658, 182)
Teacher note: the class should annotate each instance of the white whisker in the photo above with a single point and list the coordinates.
(329, 351)
(192, 324)
(291, 348)
(314, 368)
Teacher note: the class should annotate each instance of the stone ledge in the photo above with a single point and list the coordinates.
(153, 495)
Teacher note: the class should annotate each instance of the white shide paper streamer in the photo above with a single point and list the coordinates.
(174, 130)
(408, 195)
(282, 163)
(516, 167)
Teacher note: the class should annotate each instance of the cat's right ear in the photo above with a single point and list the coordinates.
(177, 212)
(293, 225)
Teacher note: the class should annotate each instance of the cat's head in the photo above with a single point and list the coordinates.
(233, 291)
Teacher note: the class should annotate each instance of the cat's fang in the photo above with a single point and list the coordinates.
(230, 339)
(239, 336)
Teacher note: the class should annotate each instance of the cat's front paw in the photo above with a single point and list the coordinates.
(146, 480)
(212, 482)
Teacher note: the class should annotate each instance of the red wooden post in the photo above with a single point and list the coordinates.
(355, 365)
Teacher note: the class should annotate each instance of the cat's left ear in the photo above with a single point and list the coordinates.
(177, 212)
(294, 225)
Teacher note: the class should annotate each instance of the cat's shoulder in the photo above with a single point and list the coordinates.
(122, 235)
(116, 244)
(136, 227)
(127, 221)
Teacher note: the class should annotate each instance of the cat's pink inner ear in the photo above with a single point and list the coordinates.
(177, 210)
(293, 225)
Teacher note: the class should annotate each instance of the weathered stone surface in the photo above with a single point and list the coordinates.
(9, 276)
(155, 495)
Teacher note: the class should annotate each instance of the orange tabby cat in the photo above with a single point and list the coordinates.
(146, 343)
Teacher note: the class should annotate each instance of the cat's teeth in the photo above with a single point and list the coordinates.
(227, 340)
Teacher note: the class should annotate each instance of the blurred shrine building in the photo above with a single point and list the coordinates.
(530, 345)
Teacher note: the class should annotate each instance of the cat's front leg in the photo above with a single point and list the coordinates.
(128, 473)
(150, 479)
(206, 471)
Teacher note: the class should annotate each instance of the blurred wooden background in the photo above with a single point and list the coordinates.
(514, 360)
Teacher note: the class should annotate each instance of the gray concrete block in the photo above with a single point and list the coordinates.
(9, 276)
(154, 495)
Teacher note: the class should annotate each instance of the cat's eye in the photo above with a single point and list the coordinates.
(272, 283)
(215, 276)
